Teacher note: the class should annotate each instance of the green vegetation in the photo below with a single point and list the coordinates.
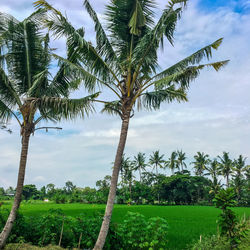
(185, 222)
(230, 226)
(125, 62)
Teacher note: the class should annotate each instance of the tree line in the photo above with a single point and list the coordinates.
(153, 187)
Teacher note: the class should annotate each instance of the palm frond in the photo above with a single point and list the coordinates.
(195, 58)
(90, 80)
(145, 53)
(64, 107)
(113, 108)
(104, 47)
(153, 100)
(7, 92)
(37, 83)
(60, 26)
(37, 17)
(5, 19)
(25, 53)
(65, 79)
(120, 15)
(137, 20)
(5, 113)
(184, 77)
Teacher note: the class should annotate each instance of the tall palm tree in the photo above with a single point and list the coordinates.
(139, 163)
(125, 61)
(213, 170)
(181, 157)
(157, 161)
(127, 170)
(200, 163)
(28, 92)
(171, 163)
(226, 166)
(239, 168)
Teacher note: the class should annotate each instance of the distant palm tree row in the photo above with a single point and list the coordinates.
(203, 166)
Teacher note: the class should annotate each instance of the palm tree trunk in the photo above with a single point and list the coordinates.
(158, 195)
(227, 180)
(18, 196)
(140, 173)
(112, 192)
(130, 192)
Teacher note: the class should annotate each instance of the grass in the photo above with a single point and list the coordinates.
(186, 223)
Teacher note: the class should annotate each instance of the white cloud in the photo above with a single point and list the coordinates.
(39, 179)
(111, 133)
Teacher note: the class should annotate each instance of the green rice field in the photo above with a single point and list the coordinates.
(186, 223)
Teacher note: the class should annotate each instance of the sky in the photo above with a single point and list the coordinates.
(216, 118)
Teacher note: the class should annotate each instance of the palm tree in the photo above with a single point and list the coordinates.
(139, 163)
(28, 92)
(124, 60)
(127, 168)
(125, 161)
(239, 168)
(180, 160)
(226, 166)
(201, 162)
(156, 160)
(172, 162)
(214, 171)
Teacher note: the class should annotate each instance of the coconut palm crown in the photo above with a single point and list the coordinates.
(139, 163)
(156, 160)
(171, 163)
(181, 157)
(124, 59)
(201, 162)
(29, 93)
(226, 166)
(213, 171)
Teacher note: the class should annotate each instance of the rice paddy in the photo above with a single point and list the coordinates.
(186, 223)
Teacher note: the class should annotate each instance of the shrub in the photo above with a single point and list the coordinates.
(230, 226)
(135, 232)
(212, 243)
(138, 233)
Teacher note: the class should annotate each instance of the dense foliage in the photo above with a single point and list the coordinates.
(234, 233)
(135, 232)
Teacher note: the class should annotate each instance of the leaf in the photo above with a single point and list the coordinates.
(153, 100)
(137, 20)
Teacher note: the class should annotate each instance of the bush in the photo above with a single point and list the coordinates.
(230, 226)
(212, 243)
(60, 198)
(138, 233)
(135, 232)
